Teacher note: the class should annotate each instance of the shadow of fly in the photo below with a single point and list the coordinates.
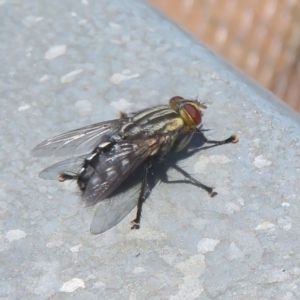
(117, 163)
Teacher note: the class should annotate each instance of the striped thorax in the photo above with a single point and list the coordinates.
(171, 124)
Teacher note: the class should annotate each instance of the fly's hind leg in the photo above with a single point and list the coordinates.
(232, 139)
(147, 185)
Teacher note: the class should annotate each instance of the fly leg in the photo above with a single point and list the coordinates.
(197, 183)
(66, 176)
(147, 185)
(232, 139)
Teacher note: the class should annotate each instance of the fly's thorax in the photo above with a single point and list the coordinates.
(182, 141)
(146, 115)
(153, 121)
(166, 143)
(169, 139)
(171, 126)
(130, 129)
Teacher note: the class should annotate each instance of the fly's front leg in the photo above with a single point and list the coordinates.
(232, 139)
(147, 185)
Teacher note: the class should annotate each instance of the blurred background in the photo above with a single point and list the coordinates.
(261, 37)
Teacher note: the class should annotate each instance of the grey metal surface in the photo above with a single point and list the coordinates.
(242, 244)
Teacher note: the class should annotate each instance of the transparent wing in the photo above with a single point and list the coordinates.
(78, 141)
(113, 210)
(71, 165)
(114, 166)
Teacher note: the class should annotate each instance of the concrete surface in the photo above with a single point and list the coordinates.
(67, 64)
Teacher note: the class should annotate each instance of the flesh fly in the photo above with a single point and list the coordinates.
(115, 162)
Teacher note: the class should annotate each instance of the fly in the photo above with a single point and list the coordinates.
(115, 162)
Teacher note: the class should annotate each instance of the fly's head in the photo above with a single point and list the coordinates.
(190, 111)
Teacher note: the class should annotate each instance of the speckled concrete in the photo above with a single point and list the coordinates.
(67, 64)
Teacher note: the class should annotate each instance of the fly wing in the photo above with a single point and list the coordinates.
(113, 210)
(71, 165)
(79, 141)
(114, 166)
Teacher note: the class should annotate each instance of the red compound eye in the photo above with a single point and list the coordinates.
(193, 112)
(176, 99)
